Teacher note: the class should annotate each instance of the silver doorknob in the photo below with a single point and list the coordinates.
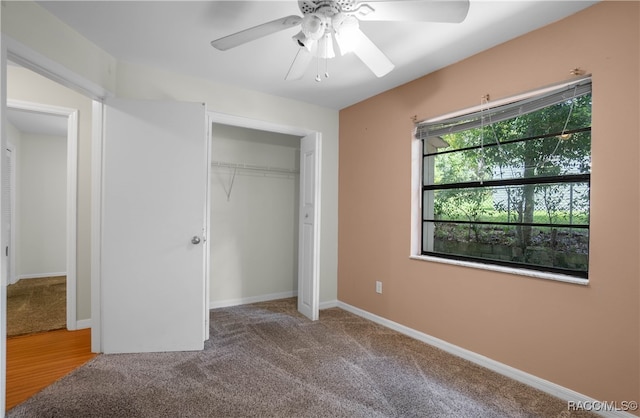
(195, 240)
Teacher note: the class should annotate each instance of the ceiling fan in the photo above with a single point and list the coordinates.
(325, 21)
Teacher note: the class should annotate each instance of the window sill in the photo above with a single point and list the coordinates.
(510, 270)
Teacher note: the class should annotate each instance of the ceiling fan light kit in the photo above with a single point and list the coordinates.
(314, 26)
(326, 21)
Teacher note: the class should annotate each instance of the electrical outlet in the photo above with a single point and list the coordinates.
(378, 287)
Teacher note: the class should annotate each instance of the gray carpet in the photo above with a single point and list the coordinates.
(266, 360)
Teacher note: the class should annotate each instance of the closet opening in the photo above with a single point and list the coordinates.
(254, 219)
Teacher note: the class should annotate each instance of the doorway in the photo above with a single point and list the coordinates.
(255, 185)
(308, 244)
(41, 186)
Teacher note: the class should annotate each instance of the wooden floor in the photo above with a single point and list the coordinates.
(37, 360)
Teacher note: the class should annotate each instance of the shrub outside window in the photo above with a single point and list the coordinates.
(509, 185)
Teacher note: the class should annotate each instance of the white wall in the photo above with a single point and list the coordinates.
(254, 234)
(30, 24)
(41, 235)
(14, 136)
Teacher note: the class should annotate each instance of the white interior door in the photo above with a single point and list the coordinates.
(308, 271)
(154, 195)
(8, 190)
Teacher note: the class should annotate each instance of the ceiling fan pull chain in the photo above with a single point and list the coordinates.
(318, 79)
(326, 68)
(326, 53)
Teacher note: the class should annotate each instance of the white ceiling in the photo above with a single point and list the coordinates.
(37, 123)
(176, 36)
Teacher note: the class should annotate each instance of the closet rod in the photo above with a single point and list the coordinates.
(255, 167)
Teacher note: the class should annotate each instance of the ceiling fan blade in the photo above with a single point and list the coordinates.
(370, 54)
(445, 11)
(300, 64)
(251, 34)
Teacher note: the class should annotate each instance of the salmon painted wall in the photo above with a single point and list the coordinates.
(585, 338)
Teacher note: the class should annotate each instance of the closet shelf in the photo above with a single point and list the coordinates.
(252, 167)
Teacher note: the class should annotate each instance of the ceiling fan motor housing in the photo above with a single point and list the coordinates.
(326, 7)
(321, 16)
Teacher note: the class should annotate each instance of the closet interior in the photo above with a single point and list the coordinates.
(254, 215)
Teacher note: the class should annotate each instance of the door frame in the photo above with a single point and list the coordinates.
(45, 66)
(11, 268)
(3, 239)
(72, 196)
(243, 122)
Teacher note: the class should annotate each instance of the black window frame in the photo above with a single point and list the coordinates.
(426, 130)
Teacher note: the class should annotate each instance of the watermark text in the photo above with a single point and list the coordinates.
(602, 406)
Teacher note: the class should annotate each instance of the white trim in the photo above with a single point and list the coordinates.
(501, 368)
(242, 122)
(72, 195)
(3, 238)
(206, 233)
(416, 195)
(83, 324)
(72, 219)
(41, 108)
(41, 276)
(264, 298)
(329, 304)
(251, 299)
(11, 272)
(502, 269)
(96, 225)
(40, 64)
(317, 222)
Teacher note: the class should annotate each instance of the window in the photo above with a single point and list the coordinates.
(509, 185)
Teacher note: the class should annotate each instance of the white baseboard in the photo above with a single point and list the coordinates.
(252, 299)
(40, 275)
(328, 305)
(546, 386)
(264, 298)
(83, 323)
